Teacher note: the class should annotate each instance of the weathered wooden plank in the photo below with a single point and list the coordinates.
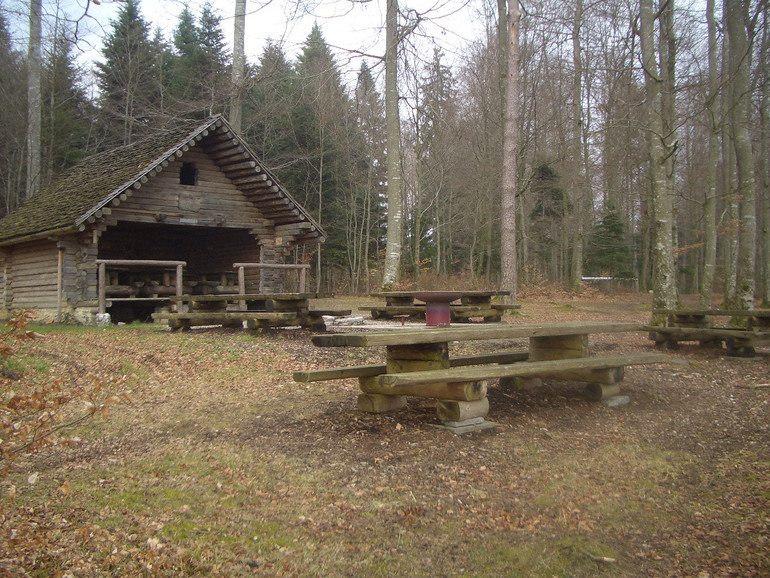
(716, 312)
(215, 318)
(705, 333)
(529, 368)
(459, 391)
(437, 335)
(378, 368)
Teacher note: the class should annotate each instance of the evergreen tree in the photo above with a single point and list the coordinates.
(67, 111)
(12, 121)
(366, 220)
(128, 77)
(431, 217)
(213, 71)
(322, 122)
(187, 58)
(548, 220)
(199, 65)
(268, 111)
(608, 252)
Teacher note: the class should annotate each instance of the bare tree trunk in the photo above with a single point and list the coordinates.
(510, 161)
(710, 202)
(740, 60)
(239, 63)
(663, 279)
(730, 250)
(667, 58)
(34, 98)
(581, 192)
(764, 174)
(393, 240)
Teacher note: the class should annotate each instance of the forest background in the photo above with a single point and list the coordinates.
(626, 109)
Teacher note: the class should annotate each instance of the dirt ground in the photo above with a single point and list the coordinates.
(222, 465)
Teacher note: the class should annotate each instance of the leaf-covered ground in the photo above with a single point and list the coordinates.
(222, 465)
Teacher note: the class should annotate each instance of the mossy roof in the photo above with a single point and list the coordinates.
(82, 190)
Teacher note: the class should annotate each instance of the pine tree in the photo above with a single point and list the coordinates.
(199, 64)
(321, 121)
(608, 251)
(12, 122)
(127, 79)
(67, 111)
(270, 104)
(366, 221)
(188, 55)
(547, 220)
(213, 71)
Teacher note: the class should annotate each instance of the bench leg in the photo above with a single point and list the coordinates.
(740, 348)
(522, 383)
(376, 403)
(459, 411)
(315, 323)
(600, 391)
(177, 325)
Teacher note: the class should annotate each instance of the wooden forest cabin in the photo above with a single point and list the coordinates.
(194, 194)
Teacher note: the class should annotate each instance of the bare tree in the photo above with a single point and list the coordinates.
(392, 264)
(664, 280)
(34, 98)
(239, 63)
(583, 199)
(709, 207)
(764, 147)
(510, 152)
(740, 60)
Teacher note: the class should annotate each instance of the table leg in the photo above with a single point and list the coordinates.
(460, 406)
(601, 383)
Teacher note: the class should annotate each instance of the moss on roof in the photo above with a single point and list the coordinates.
(93, 182)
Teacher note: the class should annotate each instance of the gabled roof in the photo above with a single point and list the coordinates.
(80, 194)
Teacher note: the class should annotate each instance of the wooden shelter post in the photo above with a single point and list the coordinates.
(59, 283)
(102, 289)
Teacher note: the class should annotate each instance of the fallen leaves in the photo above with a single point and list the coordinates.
(221, 465)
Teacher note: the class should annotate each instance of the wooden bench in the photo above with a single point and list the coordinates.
(746, 328)
(256, 311)
(473, 304)
(418, 364)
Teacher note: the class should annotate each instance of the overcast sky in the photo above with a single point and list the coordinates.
(353, 28)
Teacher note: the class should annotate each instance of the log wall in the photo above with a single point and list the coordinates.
(31, 276)
(213, 202)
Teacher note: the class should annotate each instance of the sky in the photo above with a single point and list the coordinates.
(353, 28)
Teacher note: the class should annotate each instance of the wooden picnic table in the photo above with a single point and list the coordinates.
(418, 363)
(257, 310)
(745, 328)
(438, 308)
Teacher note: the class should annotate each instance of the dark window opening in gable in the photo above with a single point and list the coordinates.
(188, 174)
